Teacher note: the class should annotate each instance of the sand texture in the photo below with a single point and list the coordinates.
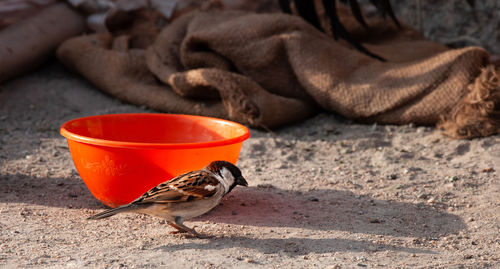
(326, 193)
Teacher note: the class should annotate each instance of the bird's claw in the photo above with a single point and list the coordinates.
(190, 231)
(193, 233)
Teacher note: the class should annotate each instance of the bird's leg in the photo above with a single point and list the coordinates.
(181, 228)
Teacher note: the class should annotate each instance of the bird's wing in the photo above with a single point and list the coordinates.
(191, 186)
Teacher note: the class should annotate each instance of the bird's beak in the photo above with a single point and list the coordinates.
(241, 181)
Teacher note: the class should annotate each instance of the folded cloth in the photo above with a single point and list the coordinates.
(27, 43)
(269, 70)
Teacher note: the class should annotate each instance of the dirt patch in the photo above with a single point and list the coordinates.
(325, 193)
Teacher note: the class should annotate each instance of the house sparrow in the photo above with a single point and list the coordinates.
(186, 196)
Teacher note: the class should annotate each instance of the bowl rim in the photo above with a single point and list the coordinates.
(125, 144)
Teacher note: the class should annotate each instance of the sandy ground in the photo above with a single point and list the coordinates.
(326, 193)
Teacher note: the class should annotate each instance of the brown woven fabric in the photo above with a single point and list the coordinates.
(274, 69)
(27, 43)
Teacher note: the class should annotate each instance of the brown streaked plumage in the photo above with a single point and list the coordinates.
(185, 196)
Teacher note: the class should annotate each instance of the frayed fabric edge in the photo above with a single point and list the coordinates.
(477, 114)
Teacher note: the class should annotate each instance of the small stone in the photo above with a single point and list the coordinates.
(488, 170)
(346, 151)
(361, 265)
(283, 166)
(431, 200)
(375, 221)
(313, 199)
(265, 186)
(362, 258)
(468, 257)
(423, 196)
(453, 178)
(449, 185)
(392, 176)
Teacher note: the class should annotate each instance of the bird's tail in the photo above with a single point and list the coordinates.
(114, 211)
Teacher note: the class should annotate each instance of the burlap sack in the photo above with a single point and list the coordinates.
(32, 39)
(270, 70)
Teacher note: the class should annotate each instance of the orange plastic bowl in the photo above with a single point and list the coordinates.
(121, 156)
